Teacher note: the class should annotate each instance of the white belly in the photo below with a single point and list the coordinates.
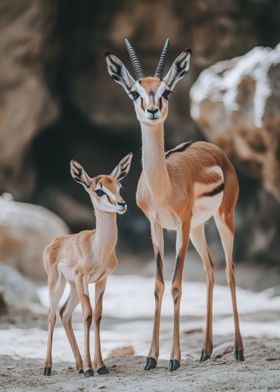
(69, 275)
(166, 219)
(66, 271)
(204, 208)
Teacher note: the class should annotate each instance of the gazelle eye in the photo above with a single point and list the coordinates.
(134, 95)
(166, 94)
(99, 192)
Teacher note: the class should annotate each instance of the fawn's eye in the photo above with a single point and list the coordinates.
(134, 95)
(166, 94)
(99, 192)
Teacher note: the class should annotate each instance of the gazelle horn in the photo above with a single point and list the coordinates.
(134, 60)
(161, 63)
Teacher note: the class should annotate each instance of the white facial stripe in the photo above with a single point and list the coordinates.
(142, 92)
(107, 192)
(110, 194)
(163, 86)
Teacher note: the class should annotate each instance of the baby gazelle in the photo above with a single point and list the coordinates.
(84, 258)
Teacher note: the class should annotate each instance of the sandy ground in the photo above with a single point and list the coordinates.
(260, 371)
(23, 338)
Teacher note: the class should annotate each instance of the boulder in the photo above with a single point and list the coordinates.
(15, 290)
(25, 230)
(236, 104)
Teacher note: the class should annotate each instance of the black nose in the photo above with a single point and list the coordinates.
(153, 111)
(122, 204)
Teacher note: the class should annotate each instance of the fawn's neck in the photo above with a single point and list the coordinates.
(106, 234)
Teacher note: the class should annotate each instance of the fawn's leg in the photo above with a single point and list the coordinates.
(82, 290)
(66, 317)
(98, 361)
(56, 290)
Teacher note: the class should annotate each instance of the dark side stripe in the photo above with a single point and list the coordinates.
(215, 191)
(180, 148)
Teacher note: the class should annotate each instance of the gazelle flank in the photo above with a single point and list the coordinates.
(179, 190)
(84, 258)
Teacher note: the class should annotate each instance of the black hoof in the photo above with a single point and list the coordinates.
(81, 371)
(47, 371)
(89, 373)
(239, 355)
(204, 356)
(173, 365)
(151, 363)
(102, 370)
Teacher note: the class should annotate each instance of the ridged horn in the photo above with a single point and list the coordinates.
(161, 63)
(134, 60)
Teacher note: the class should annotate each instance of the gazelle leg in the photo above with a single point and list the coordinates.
(55, 293)
(199, 242)
(158, 245)
(182, 241)
(66, 317)
(98, 361)
(82, 289)
(225, 225)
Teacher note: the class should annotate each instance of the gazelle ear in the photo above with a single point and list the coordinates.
(122, 169)
(178, 69)
(118, 72)
(79, 174)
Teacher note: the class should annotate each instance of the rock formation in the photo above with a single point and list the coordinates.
(236, 104)
(16, 291)
(58, 103)
(25, 230)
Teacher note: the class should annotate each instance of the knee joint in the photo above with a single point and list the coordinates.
(97, 319)
(66, 317)
(176, 294)
(88, 317)
(230, 272)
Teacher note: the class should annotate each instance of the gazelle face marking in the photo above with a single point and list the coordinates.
(149, 94)
(150, 98)
(104, 190)
(106, 196)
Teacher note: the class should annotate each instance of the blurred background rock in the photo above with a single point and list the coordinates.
(58, 103)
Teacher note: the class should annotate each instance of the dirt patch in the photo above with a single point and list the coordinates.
(260, 371)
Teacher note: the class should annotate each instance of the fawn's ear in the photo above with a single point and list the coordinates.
(122, 169)
(178, 69)
(118, 71)
(79, 174)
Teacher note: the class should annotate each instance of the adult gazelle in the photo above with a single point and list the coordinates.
(179, 190)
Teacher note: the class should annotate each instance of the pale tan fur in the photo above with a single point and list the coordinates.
(84, 258)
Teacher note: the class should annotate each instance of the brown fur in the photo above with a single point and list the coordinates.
(167, 194)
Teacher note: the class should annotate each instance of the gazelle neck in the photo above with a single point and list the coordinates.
(106, 234)
(153, 160)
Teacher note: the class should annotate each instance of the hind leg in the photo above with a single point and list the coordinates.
(56, 290)
(225, 225)
(199, 242)
(66, 317)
